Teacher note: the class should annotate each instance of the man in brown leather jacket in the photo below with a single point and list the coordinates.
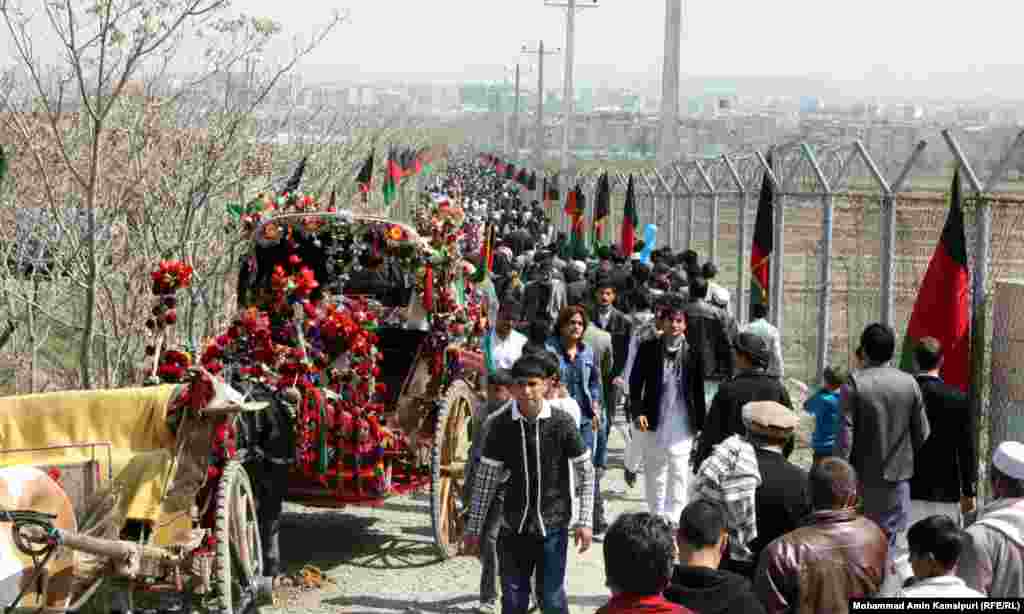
(836, 556)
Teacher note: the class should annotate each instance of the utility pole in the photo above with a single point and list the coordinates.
(669, 145)
(568, 91)
(538, 149)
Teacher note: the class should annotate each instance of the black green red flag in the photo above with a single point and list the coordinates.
(630, 221)
(942, 309)
(602, 207)
(365, 177)
(487, 249)
(418, 163)
(552, 193)
(579, 207)
(510, 171)
(522, 179)
(392, 176)
(570, 205)
(761, 250)
(408, 163)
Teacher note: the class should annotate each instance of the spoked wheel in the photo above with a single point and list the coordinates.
(238, 561)
(448, 468)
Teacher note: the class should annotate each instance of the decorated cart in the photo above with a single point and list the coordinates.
(379, 379)
(324, 389)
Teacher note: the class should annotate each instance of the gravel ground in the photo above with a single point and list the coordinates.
(382, 559)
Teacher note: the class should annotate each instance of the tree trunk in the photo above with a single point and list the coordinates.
(32, 346)
(91, 280)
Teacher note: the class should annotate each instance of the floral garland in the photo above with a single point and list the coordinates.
(320, 358)
(455, 304)
(173, 366)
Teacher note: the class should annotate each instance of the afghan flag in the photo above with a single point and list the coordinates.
(522, 179)
(487, 250)
(761, 251)
(408, 161)
(579, 206)
(551, 193)
(499, 167)
(630, 221)
(602, 207)
(418, 161)
(365, 177)
(510, 171)
(391, 179)
(570, 205)
(942, 309)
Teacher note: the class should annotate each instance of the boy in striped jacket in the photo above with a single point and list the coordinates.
(535, 445)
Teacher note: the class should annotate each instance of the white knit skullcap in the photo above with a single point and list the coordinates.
(1009, 458)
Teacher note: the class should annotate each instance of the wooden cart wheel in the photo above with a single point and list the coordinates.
(448, 468)
(238, 559)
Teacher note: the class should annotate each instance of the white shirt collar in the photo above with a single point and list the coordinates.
(545, 411)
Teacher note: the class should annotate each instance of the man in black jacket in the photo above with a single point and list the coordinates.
(666, 389)
(782, 500)
(946, 467)
(720, 332)
(752, 383)
(537, 447)
(698, 583)
(617, 324)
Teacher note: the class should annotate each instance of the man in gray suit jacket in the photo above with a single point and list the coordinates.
(601, 342)
(883, 425)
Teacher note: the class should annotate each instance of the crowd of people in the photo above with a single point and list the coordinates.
(887, 507)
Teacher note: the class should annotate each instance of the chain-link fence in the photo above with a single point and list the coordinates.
(837, 266)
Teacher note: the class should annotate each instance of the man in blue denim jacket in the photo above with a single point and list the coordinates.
(580, 373)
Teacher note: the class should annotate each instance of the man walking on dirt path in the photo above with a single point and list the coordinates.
(535, 445)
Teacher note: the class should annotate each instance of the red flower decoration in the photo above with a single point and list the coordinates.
(171, 276)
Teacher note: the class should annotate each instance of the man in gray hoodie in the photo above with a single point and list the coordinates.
(993, 557)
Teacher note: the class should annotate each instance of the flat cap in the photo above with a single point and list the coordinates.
(769, 418)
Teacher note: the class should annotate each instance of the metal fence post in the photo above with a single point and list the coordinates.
(983, 252)
(713, 212)
(979, 304)
(652, 201)
(690, 198)
(778, 251)
(691, 213)
(668, 197)
(742, 204)
(825, 280)
(888, 225)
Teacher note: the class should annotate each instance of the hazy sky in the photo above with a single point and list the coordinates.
(721, 37)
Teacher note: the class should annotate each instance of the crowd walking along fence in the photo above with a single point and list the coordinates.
(852, 234)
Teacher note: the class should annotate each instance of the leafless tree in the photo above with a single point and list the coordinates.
(106, 130)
